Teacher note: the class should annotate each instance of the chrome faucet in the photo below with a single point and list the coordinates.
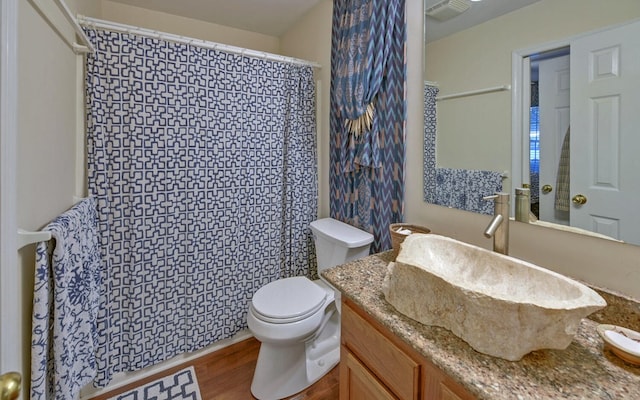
(498, 228)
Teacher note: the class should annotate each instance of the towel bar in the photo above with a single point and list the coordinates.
(28, 237)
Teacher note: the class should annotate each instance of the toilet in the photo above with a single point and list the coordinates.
(297, 320)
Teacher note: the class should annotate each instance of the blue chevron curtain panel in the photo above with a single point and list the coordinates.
(203, 164)
(368, 115)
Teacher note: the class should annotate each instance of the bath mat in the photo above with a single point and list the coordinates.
(181, 385)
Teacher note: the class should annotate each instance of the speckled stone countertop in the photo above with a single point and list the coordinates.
(582, 371)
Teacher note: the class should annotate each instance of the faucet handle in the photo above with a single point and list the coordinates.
(500, 197)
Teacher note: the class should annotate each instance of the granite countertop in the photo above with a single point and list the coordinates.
(584, 370)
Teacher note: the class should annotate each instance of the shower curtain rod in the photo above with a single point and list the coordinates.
(43, 7)
(475, 92)
(113, 26)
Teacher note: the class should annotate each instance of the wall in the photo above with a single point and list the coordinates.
(456, 62)
(177, 25)
(310, 39)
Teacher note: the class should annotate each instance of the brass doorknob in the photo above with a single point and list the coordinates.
(547, 189)
(579, 199)
(10, 386)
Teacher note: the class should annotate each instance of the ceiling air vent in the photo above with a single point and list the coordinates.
(447, 9)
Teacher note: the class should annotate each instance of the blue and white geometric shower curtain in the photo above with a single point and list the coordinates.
(204, 167)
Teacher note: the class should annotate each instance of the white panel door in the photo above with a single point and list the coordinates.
(10, 277)
(554, 94)
(605, 132)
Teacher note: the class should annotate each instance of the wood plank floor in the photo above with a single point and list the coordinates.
(226, 375)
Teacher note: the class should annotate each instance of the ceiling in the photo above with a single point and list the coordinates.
(275, 17)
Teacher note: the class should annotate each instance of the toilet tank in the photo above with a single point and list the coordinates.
(338, 243)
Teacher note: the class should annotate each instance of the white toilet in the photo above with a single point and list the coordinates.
(298, 321)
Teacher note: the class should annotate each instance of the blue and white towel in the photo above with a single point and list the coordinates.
(65, 305)
(464, 189)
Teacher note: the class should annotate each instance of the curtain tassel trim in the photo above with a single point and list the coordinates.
(363, 123)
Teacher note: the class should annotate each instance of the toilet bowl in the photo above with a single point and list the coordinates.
(297, 320)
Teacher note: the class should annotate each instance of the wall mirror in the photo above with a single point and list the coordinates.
(587, 86)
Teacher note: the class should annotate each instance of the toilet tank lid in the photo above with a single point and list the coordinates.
(341, 233)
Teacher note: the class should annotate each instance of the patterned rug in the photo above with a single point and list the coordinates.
(181, 385)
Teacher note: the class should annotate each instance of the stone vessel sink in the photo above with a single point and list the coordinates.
(499, 305)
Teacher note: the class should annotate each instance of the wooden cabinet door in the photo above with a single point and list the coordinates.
(375, 365)
(393, 367)
(357, 383)
(448, 394)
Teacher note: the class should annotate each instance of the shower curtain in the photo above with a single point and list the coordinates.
(430, 124)
(203, 164)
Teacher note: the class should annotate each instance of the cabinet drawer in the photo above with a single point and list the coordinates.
(390, 364)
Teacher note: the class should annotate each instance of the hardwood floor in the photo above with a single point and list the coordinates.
(226, 375)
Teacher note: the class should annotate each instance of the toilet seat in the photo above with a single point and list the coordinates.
(288, 300)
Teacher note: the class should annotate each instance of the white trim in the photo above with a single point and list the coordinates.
(10, 276)
(520, 106)
(86, 46)
(116, 27)
(81, 142)
(61, 19)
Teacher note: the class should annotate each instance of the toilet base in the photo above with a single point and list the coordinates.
(282, 371)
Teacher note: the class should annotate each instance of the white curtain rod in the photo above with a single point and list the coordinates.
(47, 12)
(475, 92)
(113, 26)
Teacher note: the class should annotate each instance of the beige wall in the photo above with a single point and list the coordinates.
(310, 39)
(481, 57)
(189, 27)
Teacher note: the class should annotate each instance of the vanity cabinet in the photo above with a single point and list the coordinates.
(377, 365)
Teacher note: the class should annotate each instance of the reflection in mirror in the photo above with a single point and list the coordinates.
(483, 133)
(587, 94)
(549, 116)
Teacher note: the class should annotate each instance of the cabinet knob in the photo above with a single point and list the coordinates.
(547, 189)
